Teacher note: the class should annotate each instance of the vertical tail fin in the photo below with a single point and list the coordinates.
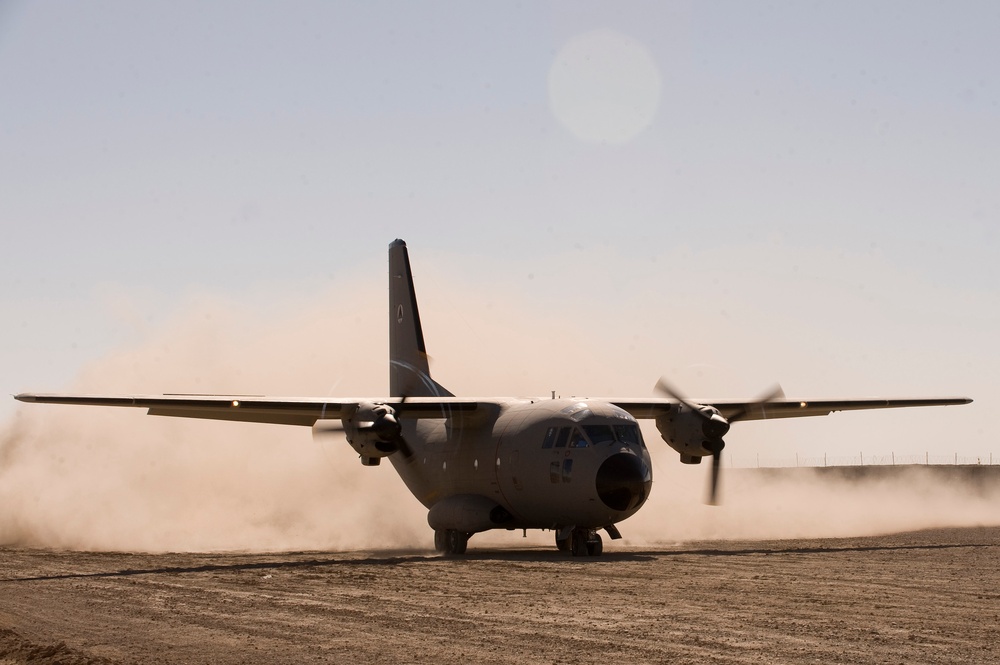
(409, 374)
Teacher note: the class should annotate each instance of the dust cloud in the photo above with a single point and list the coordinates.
(808, 503)
(116, 479)
(88, 478)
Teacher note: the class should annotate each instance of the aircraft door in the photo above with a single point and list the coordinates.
(514, 468)
(509, 474)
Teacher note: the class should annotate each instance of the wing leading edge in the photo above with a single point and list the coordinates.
(781, 408)
(258, 409)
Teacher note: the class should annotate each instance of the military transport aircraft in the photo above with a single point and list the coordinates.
(574, 466)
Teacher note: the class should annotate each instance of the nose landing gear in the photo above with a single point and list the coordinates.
(581, 542)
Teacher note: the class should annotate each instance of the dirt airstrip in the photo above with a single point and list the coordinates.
(921, 597)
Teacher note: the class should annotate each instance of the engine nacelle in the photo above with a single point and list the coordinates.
(373, 431)
(693, 432)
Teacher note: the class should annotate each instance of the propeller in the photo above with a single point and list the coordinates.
(385, 427)
(715, 426)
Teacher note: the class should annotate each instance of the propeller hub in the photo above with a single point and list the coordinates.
(386, 427)
(715, 426)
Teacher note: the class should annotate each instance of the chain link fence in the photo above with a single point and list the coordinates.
(861, 459)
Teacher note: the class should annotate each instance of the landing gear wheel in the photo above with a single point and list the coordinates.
(584, 542)
(564, 544)
(455, 542)
(595, 546)
(440, 540)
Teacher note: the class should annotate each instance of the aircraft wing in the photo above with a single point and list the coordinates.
(780, 408)
(259, 409)
(307, 410)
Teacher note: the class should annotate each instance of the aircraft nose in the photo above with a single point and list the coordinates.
(623, 481)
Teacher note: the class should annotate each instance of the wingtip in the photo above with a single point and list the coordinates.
(24, 397)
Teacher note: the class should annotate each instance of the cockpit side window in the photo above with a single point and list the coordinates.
(550, 437)
(563, 436)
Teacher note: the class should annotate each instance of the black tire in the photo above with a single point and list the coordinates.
(564, 544)
(579, 546)
(596, 546)
(440, 540)
(457, 542)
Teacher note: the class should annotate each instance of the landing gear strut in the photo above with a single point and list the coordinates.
(451, 541)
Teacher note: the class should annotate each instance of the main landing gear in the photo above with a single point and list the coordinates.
(451, 541)
(581, 542)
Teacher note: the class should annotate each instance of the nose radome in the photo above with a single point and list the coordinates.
(623, 481)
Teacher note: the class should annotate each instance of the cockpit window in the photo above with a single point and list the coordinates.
(600, 434)
(560, 437)
(628, 434)
(574, 437)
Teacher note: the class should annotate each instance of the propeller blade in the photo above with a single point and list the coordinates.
(403, 447)
(774, 393)
(663, 387)
(713, 486)
(400, 442)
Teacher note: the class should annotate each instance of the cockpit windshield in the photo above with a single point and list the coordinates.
(599, 434)
(596, 435)
(628, 434)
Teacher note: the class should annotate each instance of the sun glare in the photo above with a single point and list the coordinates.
(604, 87)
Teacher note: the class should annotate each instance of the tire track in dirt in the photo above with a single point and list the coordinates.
(915, 597)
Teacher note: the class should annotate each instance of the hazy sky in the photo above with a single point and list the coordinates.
(732, 194)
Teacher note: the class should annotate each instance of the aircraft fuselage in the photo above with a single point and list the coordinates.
(533, 463)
